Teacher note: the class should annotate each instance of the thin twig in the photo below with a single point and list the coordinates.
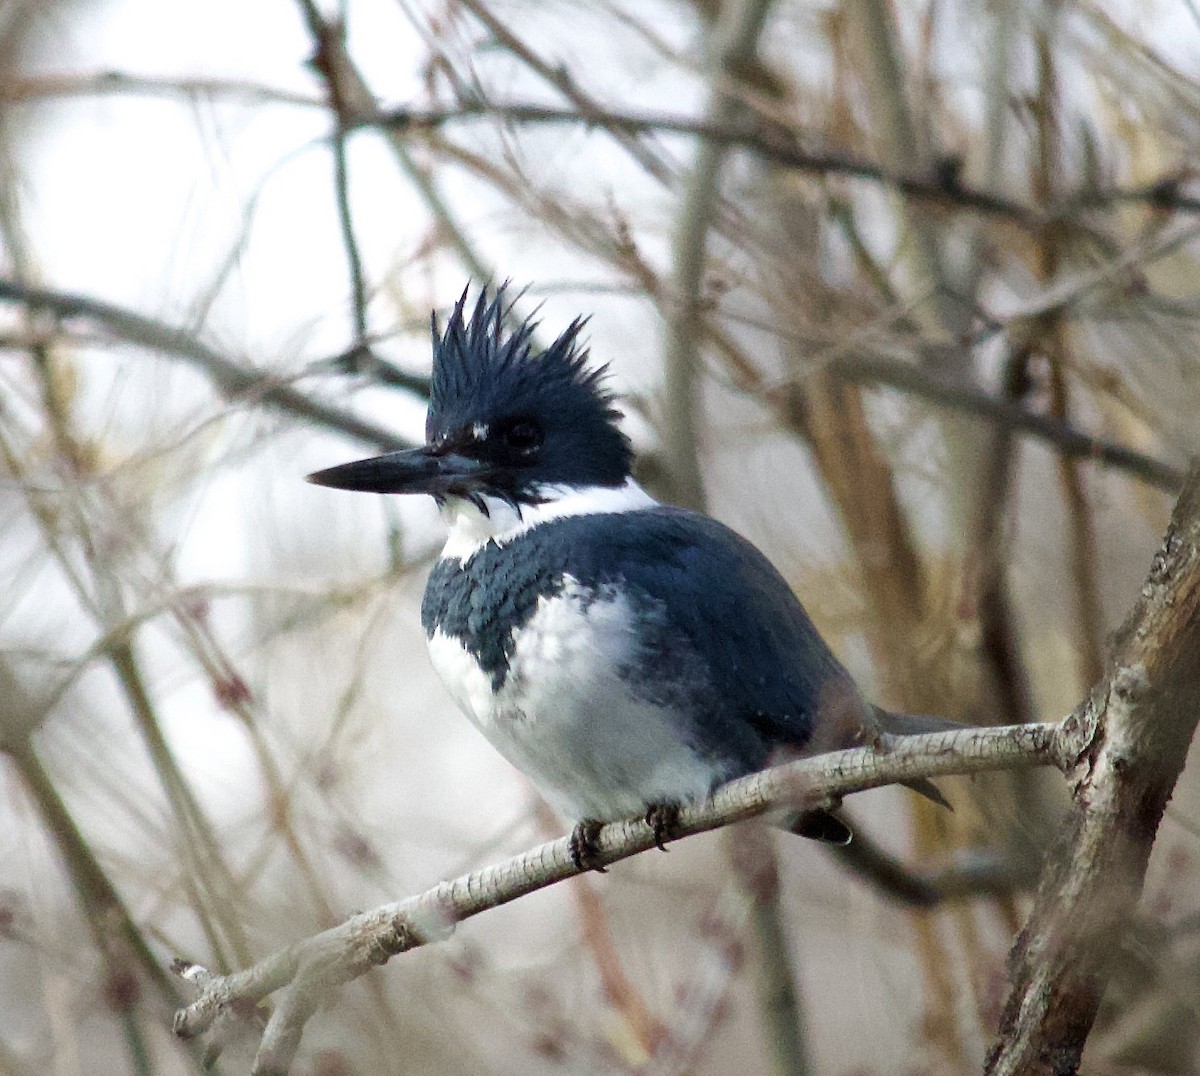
(558, 77)
(233, 381)
(771, 142)
(989, 552)
(971, 875)
(197, 838)
(359, 100)
(32, 88)
(330, 42)
(942, 186)
(1066, 439)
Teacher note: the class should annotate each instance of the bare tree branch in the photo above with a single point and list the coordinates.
(357, 97)
(313, 967)
(330, 45)
(1167, 192)
(560, 78)
(971, 875)
(1137, 727)
(775, 142)
(1068, 440)
(25, 89)
(733, 43)
(232, 380)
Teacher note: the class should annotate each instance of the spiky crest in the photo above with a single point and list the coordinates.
(488, 376)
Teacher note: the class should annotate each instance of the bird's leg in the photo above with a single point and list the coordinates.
(662, 818)
(585, 852)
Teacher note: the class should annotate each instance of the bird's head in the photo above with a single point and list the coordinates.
(505, 421)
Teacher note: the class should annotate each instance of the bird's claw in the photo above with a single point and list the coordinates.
(662, 818)
(585, 851)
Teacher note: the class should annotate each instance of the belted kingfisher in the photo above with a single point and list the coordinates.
(626, 655)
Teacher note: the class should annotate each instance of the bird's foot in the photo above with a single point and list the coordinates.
(663, 819)
(585, 851)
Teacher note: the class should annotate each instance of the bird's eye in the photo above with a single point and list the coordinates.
(524, 437)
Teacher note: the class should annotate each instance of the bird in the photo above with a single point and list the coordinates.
(627, 655)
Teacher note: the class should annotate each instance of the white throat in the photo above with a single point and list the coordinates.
(471, 529)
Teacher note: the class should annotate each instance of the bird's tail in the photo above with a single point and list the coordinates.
(914, 725)
(827, 826)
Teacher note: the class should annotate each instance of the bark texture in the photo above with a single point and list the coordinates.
(1137, 725)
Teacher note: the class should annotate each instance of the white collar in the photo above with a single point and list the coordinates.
(471, 529)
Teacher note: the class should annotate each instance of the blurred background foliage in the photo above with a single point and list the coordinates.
(904, 291)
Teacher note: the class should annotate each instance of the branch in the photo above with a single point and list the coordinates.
(1167, 192)
(313, 967)
(974, 874)
(25, 89)
(903, 135)
(774, 142)
(1067, 439)
(358, 99)
(560, 78)
(1137, 726)
(228, 377)
(330, 45)
(734, 43)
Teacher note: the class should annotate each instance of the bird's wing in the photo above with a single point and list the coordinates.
(771, 683)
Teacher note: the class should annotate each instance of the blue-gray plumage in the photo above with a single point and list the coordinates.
(688, 580)
(627, 656)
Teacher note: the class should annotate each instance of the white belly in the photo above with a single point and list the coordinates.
(568, 719)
